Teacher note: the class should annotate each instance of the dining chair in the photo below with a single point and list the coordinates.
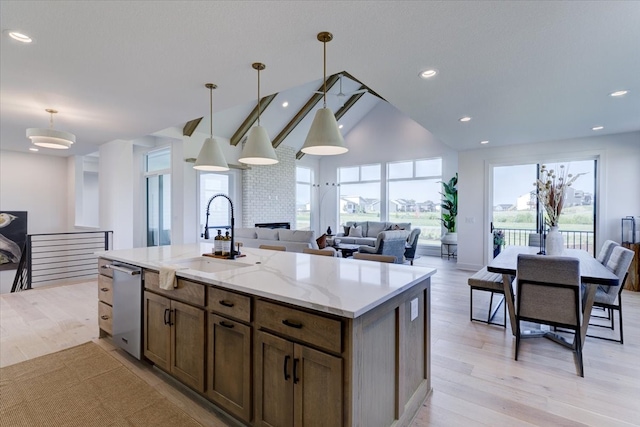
(534, 240)
(548, 292)
(484, 280)
(374, 257)
(605, 251)
(323, 252)
(610, 297)
(273, 248)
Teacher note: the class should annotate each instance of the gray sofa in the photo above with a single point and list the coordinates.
(293, 240)
(370, 231)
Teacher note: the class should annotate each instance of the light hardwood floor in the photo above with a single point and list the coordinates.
(475, 378)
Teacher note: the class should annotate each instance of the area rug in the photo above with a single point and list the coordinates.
(82, 386)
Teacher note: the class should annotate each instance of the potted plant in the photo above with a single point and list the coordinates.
(449, 207)
(498, 241)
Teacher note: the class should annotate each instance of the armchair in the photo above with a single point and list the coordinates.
(388, 243)
(412, 244)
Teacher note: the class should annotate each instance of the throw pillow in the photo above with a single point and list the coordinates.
(346, 230)
(355, 231)
(322, 241)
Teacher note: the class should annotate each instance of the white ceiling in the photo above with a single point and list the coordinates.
(524, 71)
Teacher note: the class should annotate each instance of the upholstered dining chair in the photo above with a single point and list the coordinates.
(610, 297)
(534, 239)
(273, 248)
(374, 257)
(548, 292)
(324, 252)
(605, 251)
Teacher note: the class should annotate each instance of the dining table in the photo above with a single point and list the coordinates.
(592, 275)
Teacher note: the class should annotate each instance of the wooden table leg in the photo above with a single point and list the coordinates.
(586, 309)
(509, 298)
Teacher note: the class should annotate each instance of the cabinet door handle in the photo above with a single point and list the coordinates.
(103, 317)
(226, 324)
(104, 289)
(291, 324)
(286, 362)
(295, 371)
(226, 303)
(166, 316)
(171, 317)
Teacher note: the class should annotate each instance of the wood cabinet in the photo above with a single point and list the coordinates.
(296, 385)
(105, 299)
(174, 338)
(229, 365)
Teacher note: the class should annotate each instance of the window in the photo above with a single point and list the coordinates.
(303, 198)
(219, 212)
(516, 210)
(158, 182)
(359, 193)
(413, 196)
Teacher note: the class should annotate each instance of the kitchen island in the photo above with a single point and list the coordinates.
(283, 339)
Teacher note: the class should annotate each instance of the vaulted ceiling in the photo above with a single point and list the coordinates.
(523, 71)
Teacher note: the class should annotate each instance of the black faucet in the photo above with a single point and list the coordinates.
(232, 253)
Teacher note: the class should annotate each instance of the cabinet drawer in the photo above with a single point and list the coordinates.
(300, 325)
(105, 315)
(190, 292)
(229, 303)
(103, 270)
(105, 289)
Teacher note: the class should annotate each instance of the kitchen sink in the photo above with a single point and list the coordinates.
(208, 264)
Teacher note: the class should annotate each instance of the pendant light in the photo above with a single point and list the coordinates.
(258, 149)
(324, 138)
(51, 138)
(210, 157)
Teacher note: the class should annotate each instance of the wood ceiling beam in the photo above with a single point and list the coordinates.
(251, 119)
(190, 127)
(302, 113)
(342, 111)
(371, 91)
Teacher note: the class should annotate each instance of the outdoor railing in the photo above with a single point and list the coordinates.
(572, 239)
(49, 257)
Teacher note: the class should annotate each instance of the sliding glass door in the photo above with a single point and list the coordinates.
(517, 212)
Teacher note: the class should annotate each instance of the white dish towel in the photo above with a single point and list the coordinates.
(168, 280)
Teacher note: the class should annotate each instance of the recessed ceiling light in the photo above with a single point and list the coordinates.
(33, 149)
(619, 93)
(484, 142)
(597, 128)
(285, 104)
(340, 126)
(465, 119)
(19, 36)
(426, 74)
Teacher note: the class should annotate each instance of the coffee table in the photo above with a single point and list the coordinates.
(346, 249)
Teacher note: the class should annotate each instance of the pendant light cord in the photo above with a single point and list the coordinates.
(211, 111)
(324, 100)
(258, 96)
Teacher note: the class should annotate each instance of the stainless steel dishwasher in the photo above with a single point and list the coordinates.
(127, 307)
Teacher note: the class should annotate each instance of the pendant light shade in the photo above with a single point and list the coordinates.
(258, 149)
(211, 157)
(51, 138)
(324, 138)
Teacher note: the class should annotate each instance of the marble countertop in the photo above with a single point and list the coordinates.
(345, 287)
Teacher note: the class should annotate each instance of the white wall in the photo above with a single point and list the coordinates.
(117, 182)
(384, 135)
(618, 189)
(35, 183)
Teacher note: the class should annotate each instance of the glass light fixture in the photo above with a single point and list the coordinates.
(210, 157)
(258, 149)
(51, 138)
(324, 138)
